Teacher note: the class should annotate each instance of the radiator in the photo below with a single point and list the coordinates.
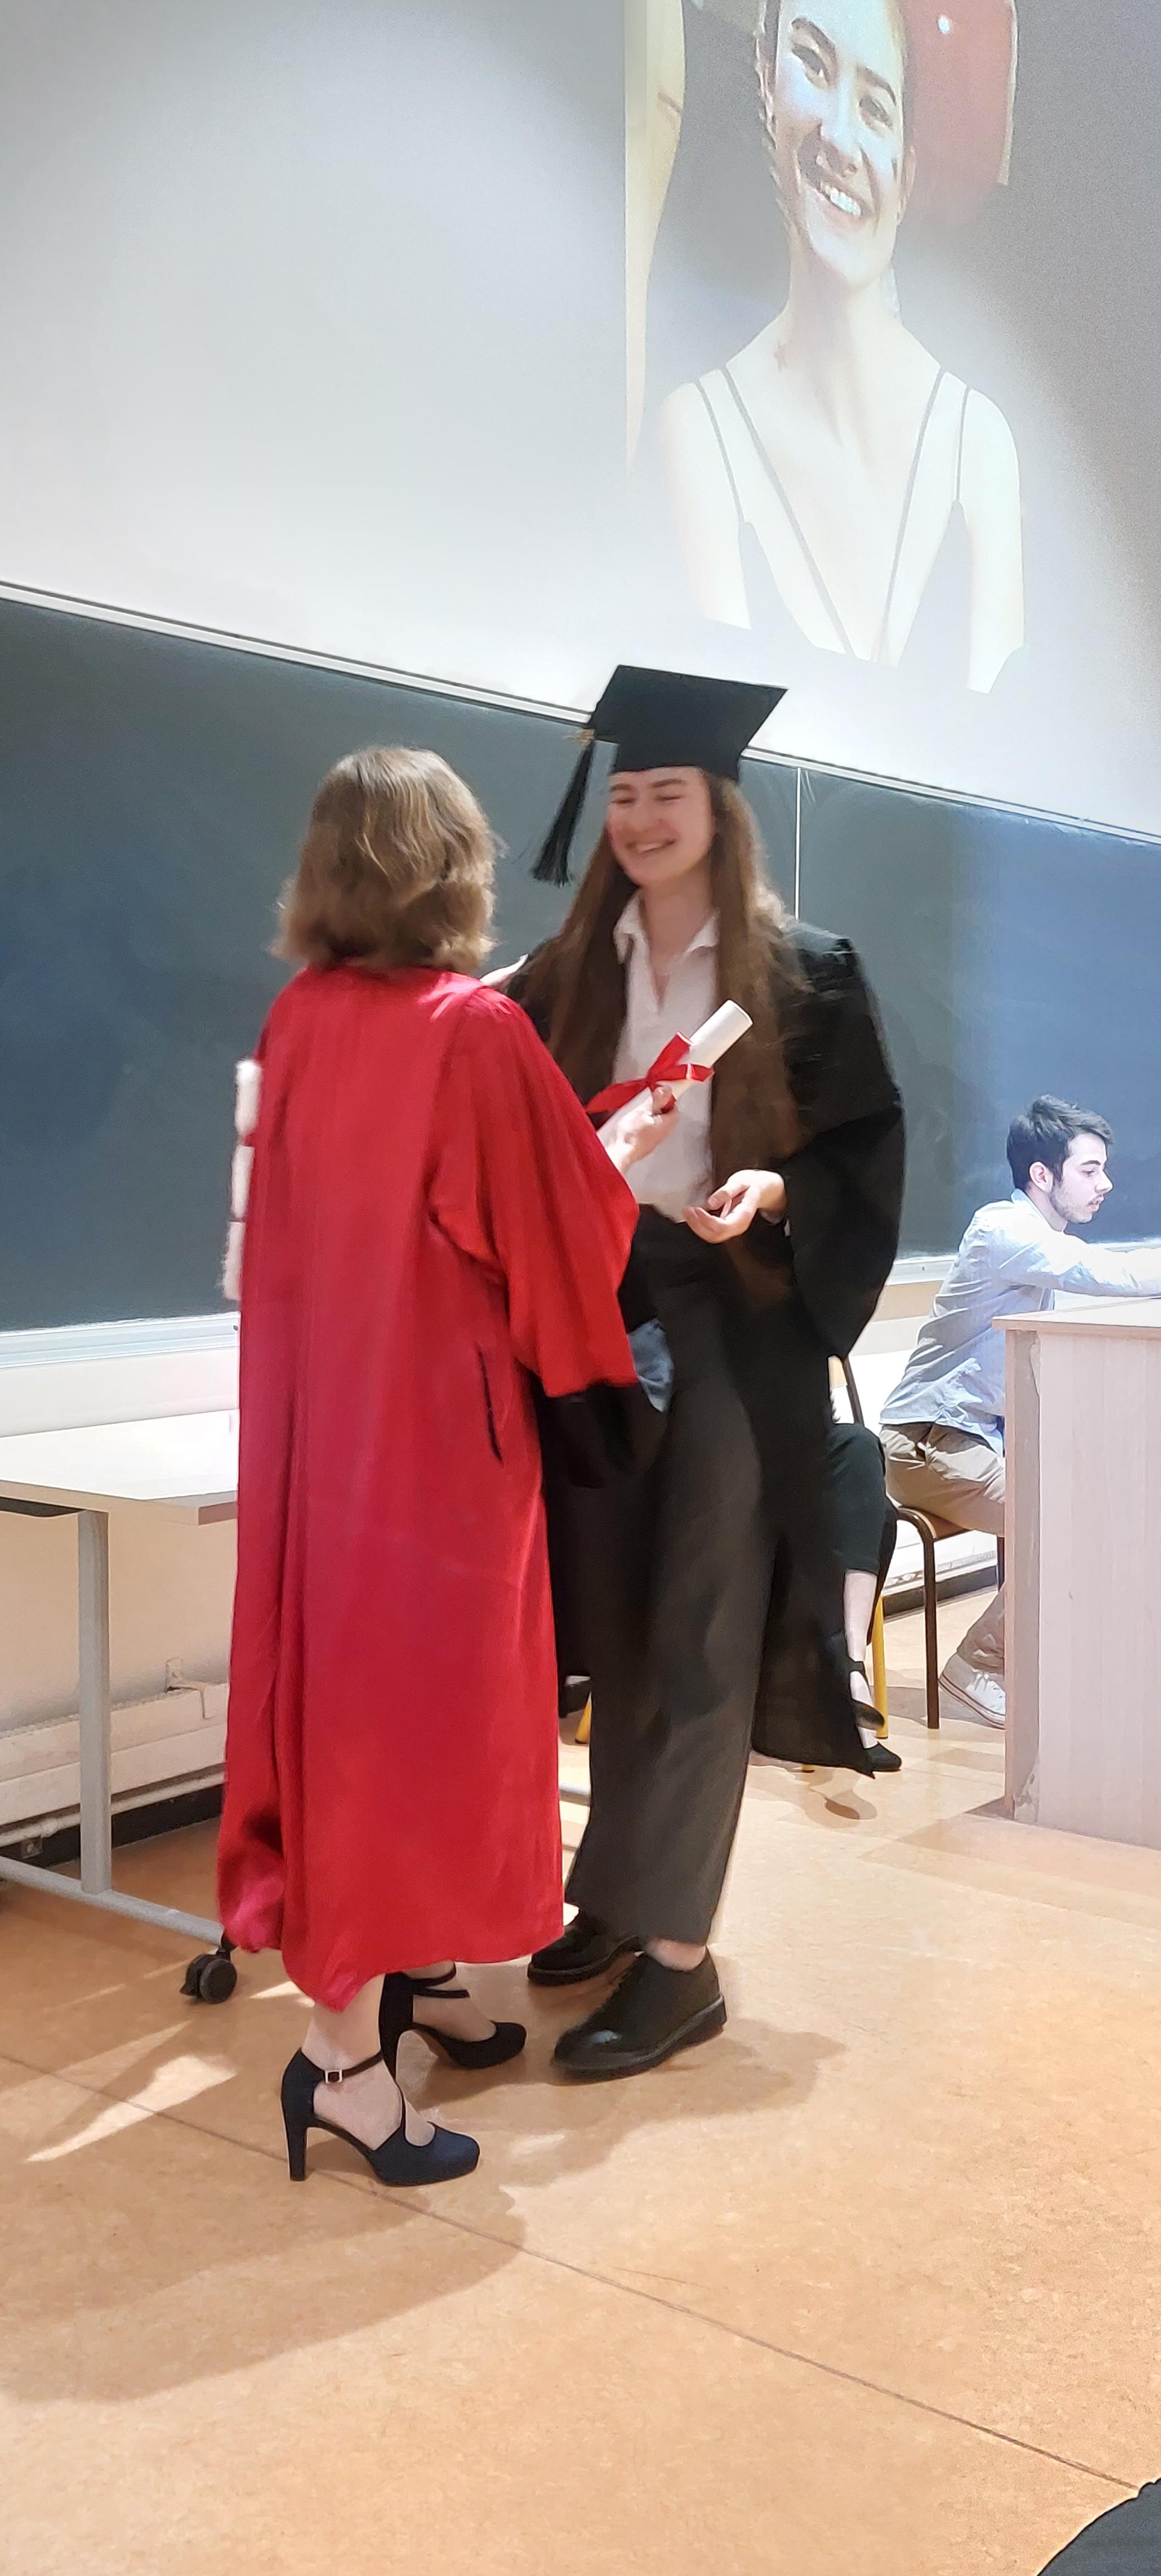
(167, 1744)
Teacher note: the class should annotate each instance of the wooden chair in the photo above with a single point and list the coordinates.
(929, 1529)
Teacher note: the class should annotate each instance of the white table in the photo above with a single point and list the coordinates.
(185, 1467)
(1083, 1608)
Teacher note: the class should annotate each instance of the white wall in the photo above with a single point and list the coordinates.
(170, 1587)
(170, 1595)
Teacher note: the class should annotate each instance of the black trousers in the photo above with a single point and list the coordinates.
(668, 1586)
(671, 1577)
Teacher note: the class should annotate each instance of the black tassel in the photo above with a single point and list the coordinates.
(552, 865)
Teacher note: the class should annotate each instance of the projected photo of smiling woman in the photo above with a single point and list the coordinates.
(833, 481)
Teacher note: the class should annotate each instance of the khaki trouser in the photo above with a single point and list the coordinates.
(958, 1479)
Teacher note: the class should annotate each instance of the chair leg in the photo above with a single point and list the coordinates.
(930, 1629)
(879, 1667)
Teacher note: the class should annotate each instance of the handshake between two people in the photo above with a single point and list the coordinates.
(729, 1212)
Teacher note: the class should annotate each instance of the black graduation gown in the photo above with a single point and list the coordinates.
(830, 1262)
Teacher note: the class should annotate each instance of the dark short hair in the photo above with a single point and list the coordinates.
(1046, 1133)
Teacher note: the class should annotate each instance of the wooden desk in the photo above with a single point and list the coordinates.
(1083, 1537)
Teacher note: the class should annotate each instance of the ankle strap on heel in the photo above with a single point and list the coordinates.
(441, 1990)
(341, 2074)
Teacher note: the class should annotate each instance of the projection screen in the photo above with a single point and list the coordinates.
(494, 343)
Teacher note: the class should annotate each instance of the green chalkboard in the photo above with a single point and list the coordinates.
(153, 791)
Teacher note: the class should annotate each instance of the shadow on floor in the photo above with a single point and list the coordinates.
(1125, 2542)
(147, 2249)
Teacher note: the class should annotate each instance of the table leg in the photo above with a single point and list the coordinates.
(1023, 1610)
(94, 1704)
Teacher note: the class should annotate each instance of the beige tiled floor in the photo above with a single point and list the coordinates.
(868, 2285)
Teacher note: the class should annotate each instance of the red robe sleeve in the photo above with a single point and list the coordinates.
(523, 1185)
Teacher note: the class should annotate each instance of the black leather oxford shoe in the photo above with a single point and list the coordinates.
(650, 2015)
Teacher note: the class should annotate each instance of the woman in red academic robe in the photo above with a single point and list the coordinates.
(431, 1228)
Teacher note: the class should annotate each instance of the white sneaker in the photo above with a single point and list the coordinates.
(964, 1692)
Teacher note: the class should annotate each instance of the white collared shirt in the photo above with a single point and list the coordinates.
(679, 1173)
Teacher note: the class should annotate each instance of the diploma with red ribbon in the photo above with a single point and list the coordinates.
(671, 1066)
(682, 1063)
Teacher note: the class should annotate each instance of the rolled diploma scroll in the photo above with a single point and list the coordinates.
(708, 1047)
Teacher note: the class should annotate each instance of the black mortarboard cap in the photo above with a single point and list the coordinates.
(658, 719)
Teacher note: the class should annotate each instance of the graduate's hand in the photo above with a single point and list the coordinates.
(732, 1210)
(639, 1131)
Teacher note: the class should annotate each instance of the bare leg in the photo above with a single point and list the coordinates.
(858, 1611)
(462, 2020)
(368, 2106)
(859, 1592)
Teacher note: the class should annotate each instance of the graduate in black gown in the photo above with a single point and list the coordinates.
(703, 1595)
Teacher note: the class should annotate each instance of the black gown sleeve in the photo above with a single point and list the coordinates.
(844, 1186)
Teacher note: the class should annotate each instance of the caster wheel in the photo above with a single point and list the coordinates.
(210, 1978)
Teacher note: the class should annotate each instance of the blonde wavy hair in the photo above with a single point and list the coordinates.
(397, 868)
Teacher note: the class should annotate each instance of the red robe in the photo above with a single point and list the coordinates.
(431, 1222)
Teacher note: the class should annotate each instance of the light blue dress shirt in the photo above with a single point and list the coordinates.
(1011, 1262)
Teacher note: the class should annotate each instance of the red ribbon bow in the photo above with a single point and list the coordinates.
(672, 1065)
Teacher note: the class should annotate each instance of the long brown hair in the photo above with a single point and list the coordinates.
(396, 869)
(576, 989)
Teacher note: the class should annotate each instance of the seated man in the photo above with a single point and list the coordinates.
(943, 1427)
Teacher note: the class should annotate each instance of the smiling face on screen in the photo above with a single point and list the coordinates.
(660, 824)
(833, 91)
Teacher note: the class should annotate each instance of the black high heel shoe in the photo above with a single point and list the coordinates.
(397, 2014)
(879, 1754)
(445, 2157)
